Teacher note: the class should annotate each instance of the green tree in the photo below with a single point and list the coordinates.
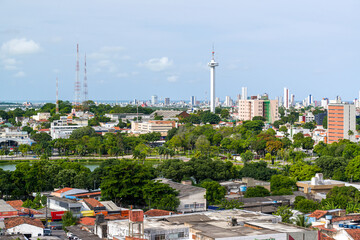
(258, 191)
(306, 205)
(214, 191)
(203, 144)
(160, 196)
(124, 182)
(81, 132)
(257, 170)
(330, 164)
(325, 122)
(208, 117)
(352, 170)
(302, 171)
(68, 219)
(285, 213)
(224, 113)
(301, 221)
(278, 182)
(341, 196)
(247, 156)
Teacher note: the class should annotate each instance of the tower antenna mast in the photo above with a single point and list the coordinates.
(77, 81)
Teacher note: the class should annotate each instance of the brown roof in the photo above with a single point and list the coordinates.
(354, 233)
(63, 190)
(157, 212)
(115, 217)
(89, 221)
(93, 202)
(346, 218)
(87, 194)
(16, 221)
(318, 214)
(323, 236)
(15, 203)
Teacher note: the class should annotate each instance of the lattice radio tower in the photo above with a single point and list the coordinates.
(77, 81)
(85, 104)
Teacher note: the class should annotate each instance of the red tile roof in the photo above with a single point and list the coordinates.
(318, 214)
(87, 194)
(16, 221)
(354, 233)
(93, 202)
(115, 217)
(63, 190)
(157, 212)
(15, 203)
(44, 130)
(89, 221)
(323, 236)
(347, 218)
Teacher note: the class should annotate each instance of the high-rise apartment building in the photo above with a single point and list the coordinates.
(286, 98)
(193, 100)
(167, 101)
(341, 121)
(244, 93)
(228, 101)
(154, 99)
(264, 108)
(292, 100)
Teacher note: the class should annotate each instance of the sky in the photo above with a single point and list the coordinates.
(139, 48)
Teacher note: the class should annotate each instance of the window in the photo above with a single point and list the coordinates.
(160, 237)
(187, 206)
(181, 235)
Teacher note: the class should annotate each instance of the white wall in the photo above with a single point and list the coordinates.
(197, 198)
(26, 229)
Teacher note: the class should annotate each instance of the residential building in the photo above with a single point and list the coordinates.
(193, 101)
(318, 185)
(324, 103)
(228, 101)
(152, 126)
(13, 137)
(192, 199)
(64, 204)
(167, 101)
(63, 192)
(233, 224)
(6, 210)
(341, 121)
(244, 93)
(41, 116)
(264, 108)
(64, 127)
(24, 225)
(154, 100)
(286, 98)
(169, 114)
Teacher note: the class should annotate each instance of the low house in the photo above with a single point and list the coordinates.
(94, 204)
(192, 199)
(64, 204)
(318, 185)
(6, 210)
(157, 213)
(24, 225)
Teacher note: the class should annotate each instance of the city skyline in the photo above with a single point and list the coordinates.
(297, 45)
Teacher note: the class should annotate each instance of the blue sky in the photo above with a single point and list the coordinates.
(136, 49)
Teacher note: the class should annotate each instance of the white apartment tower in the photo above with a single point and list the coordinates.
(286, 98)
(244, 93)
(154, 100)
(212, 64)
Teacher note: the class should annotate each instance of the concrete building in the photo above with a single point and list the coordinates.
(192, 199)
(154, 100)
(13, 137)
(286, 98)
(193, 100)
(152, 126)
(244, 93)
(64, 204)
(318, 185)
(264, 108)
(167, 101)
(228, 101)
(324, 103)
(41, 116)
(24, 225)
(341, 121)
(223, 225)
(64, 127)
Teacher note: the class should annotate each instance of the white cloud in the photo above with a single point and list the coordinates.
(20, 46)
(172, 78)
(19, 74)
(10, 63)
(157, 64)
(122, 75)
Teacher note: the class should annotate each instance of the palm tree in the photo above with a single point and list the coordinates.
(350, 133)
(301, 221)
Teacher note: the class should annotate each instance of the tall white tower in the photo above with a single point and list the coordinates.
(212, 64)
(244, 93)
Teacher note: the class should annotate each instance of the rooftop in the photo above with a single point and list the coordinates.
(63, 190)
(87, 221)
(318, 214)
(157, 212)
(184, 190)
(16, 221)
(93, 202)
(5, 207)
